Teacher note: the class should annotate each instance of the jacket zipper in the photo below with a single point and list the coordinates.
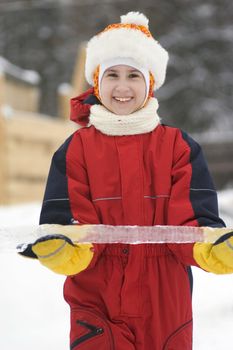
(94, 331)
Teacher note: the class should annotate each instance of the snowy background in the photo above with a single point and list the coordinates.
(34, 315)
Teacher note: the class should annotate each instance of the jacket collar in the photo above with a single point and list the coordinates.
(80, 107)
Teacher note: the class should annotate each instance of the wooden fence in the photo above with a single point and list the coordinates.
(27, 139)
(27, 142)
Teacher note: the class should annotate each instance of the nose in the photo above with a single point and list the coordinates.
(122, 87)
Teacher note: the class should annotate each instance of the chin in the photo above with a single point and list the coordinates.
(123, 111)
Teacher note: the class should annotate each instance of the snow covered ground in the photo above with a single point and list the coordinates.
(34, 316)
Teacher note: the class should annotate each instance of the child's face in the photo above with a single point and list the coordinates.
(123, 89)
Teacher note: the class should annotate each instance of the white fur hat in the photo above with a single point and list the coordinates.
(129, 39)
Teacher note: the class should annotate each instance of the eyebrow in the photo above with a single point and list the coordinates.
(130, 70)
(111, 70)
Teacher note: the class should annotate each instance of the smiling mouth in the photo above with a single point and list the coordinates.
(122, 99)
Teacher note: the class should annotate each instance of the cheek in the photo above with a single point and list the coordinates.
(140, 89)
(105, 90)
(141, 92)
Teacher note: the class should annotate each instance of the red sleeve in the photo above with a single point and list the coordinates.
(81, 203)
(193, 200)
(67, 197)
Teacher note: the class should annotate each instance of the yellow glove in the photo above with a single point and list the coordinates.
(217, 257)
(60, 254)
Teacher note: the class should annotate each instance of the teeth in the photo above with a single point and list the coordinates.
(122, 99)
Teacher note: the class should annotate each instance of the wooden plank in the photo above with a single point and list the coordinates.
(79, 82)
(2, 89)
(27, 146)
(31, 143)
(64, 104)
(39, 129)
(3, 162)
(26, 159)
(25, 190)
(16, 92)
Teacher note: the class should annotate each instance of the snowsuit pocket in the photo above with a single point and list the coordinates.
(181, 338)
(89, 331)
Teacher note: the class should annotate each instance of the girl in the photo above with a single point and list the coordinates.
(123, 167)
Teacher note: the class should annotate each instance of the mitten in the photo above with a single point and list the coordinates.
(60, 254)
(217, 257)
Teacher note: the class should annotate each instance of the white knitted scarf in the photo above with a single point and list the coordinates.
(140, 122)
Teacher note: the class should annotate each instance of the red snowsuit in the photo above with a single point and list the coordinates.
(131, 297)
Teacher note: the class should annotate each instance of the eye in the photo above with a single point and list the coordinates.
(134, 75)
(111, 75)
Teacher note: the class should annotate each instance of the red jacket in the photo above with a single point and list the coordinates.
(157, 178)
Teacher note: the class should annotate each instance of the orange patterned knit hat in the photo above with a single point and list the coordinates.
(129, 39)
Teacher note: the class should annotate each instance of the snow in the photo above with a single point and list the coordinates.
(64, 89)
(28, 76)
(34, 314)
